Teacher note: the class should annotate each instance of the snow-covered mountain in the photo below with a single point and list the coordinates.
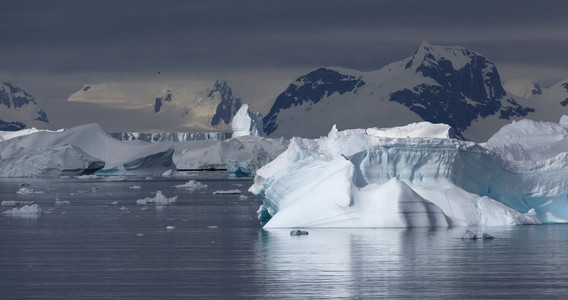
(19, 109)
(214, 105)
(439, 84)
(174, 106)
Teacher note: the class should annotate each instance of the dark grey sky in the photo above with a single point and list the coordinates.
(52, 47)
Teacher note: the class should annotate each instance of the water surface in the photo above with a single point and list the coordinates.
(104, 246)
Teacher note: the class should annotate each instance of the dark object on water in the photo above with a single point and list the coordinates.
(298, 232)
(468, 235)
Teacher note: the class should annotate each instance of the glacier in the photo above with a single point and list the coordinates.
(410, 176)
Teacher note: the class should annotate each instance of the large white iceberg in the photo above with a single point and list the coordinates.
(80, 150)
(358, 178)
(87, 149)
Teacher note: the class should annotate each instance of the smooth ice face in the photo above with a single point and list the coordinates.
(79, 150)
(57, 160)
(354, 179)
(393, 204)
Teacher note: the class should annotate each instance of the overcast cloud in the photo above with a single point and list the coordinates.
(52, 47)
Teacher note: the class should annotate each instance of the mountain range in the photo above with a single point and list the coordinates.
(218, 102)
(439, 84)
(451, 85)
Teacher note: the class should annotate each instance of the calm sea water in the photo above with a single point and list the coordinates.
(104, 246)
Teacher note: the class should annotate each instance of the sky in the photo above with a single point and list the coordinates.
(51, 48)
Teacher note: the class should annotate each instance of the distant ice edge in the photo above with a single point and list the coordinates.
(358, 178)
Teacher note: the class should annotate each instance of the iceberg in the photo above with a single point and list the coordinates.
(200, 155)
(359, 178)
(87, 150)
(159, 199)
(25, 190)
(240, 156)
(530, 140)
(227, 192)
(246, 154)
(84, 149)
(6, 135)
(192, 186)
(14, 203)
(32, 211)
(246, 123)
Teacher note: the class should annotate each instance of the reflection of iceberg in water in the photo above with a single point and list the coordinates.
(356, 263)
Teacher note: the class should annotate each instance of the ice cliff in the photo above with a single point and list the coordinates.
(411, 176)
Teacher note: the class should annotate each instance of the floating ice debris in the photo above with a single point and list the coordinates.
(160, 199)
(61, 202)
(469, 235)
(298, 232)
(243, 197)
(26, 211)
(139, 234)
(26, 190)
(169, 173)
(113, 203)
(24, 184)
(149, 178)
(9, 203)
(135, 187)
(15, 203)
(116, 178)
(87, 177)
(170, 227)
(212, 227)
(192, 186)
(226, 192)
